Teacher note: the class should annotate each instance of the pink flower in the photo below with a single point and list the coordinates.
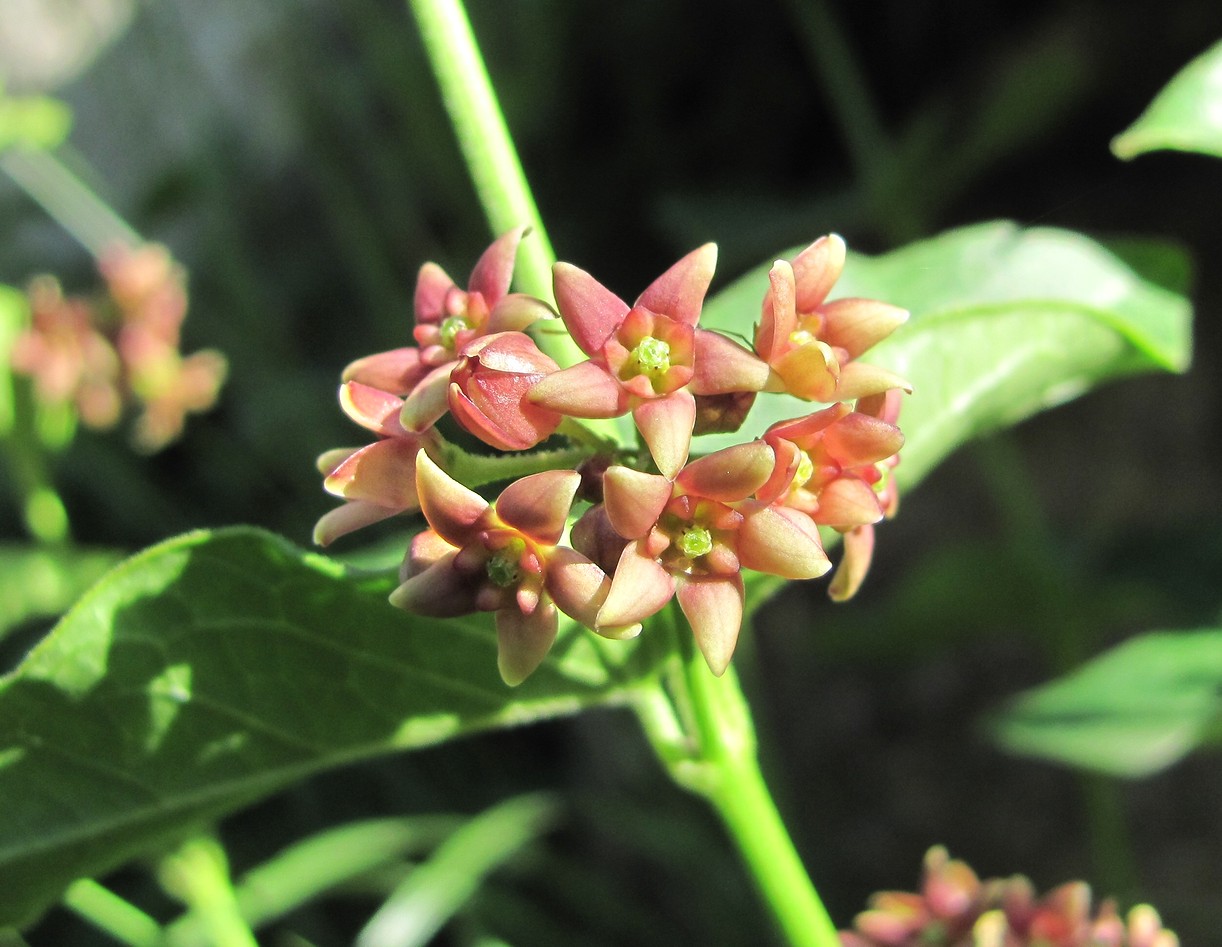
(646, 358)
(447, 320)
(812, 344)
(835, 466)
(502, 557)
(488, 389)
(691, 538)
(379, 479)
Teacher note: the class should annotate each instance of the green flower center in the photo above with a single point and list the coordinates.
(806, 470)
(503, 568)
(450, 327)
(651, 356)
(695, 541)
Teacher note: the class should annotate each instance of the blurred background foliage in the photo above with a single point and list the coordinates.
(294, 156)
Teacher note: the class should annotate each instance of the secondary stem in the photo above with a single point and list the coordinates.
(107, 911)
(701, 727)
(198, 874)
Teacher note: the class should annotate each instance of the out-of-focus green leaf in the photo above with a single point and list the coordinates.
(317, 864)
(14, 315)
(1185, 116)
(221, 666)
(436, 889)
(1132, 711)
(1005, 322)
(36, 121)
(39, 582)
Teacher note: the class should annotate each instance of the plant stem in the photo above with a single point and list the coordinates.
(198, 874)
(68, 200)
(701, 727)
(105, 910)
(484, 137)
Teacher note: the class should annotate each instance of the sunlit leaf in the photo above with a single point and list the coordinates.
(1185, 116)
(222, 666)
(41, 582)
(1132, 711)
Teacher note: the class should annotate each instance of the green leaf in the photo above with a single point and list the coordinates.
(1185, 116)
(1005, 322)
(1132, 711)
(14, 317)
(219, 667)
(40, 582)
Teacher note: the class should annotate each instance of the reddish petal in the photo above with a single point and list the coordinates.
(730, 474)
(451, 509)
(579, 588)
(816, 270)
(858, 380)
(330, 459)
(772, 540)
(583, 391)
(590, 311)
(523, 641)
(371, 408)
(847, 502)
(856, 325)
(383, 472)
(634, 500)
(497, 413)
(862, 439)
(396, 371)
(347, 518)
(428, 401)
(440, 591)
(517, 311)
(538, 505)
(714, 608)
(494, 271)
(679, 292)
(425, 549)
(802, 431)
(666, 425)
(639, 588)
(432, 286)
(810, 371)
(723, 366)
(778, 319)
(788, 459)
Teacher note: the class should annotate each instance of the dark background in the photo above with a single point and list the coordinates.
(295, 157)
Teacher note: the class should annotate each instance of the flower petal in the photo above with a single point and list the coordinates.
(679, 292)
(639, 588)
(451, 509)
(590, 311)
(722, 366)
(538, 505)
(494, 271)
(774, 540)
(860, 438)
(730, 474)
(517, 311)
(523, 641)
(372, 408)
(666, 425)
(579, 588)
(633, 500)
(428, 401)
(810, 371)
(584, 390)
(383, 472)
(440, 591)
(433, 284)
(778, 318)
(854, 564)
(856, 325)
(847, 502)
(345, 519)
(396, 371)
(713, 606)
(858, 380)
(816, 270)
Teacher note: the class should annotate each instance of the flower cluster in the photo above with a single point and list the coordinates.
(956, 909)
(100, 356)
(649, 523)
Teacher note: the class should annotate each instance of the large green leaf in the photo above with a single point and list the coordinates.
(222, 666)
(1130, 712)
(1185, 116)
(1005, 322)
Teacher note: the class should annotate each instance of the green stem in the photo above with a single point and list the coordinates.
(106, 911)
(475, 470)
(198, 874)
(68, 200)
(701, 728)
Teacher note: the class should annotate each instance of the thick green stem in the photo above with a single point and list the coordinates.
(701, 727)
(105, 910)
(198, 874)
